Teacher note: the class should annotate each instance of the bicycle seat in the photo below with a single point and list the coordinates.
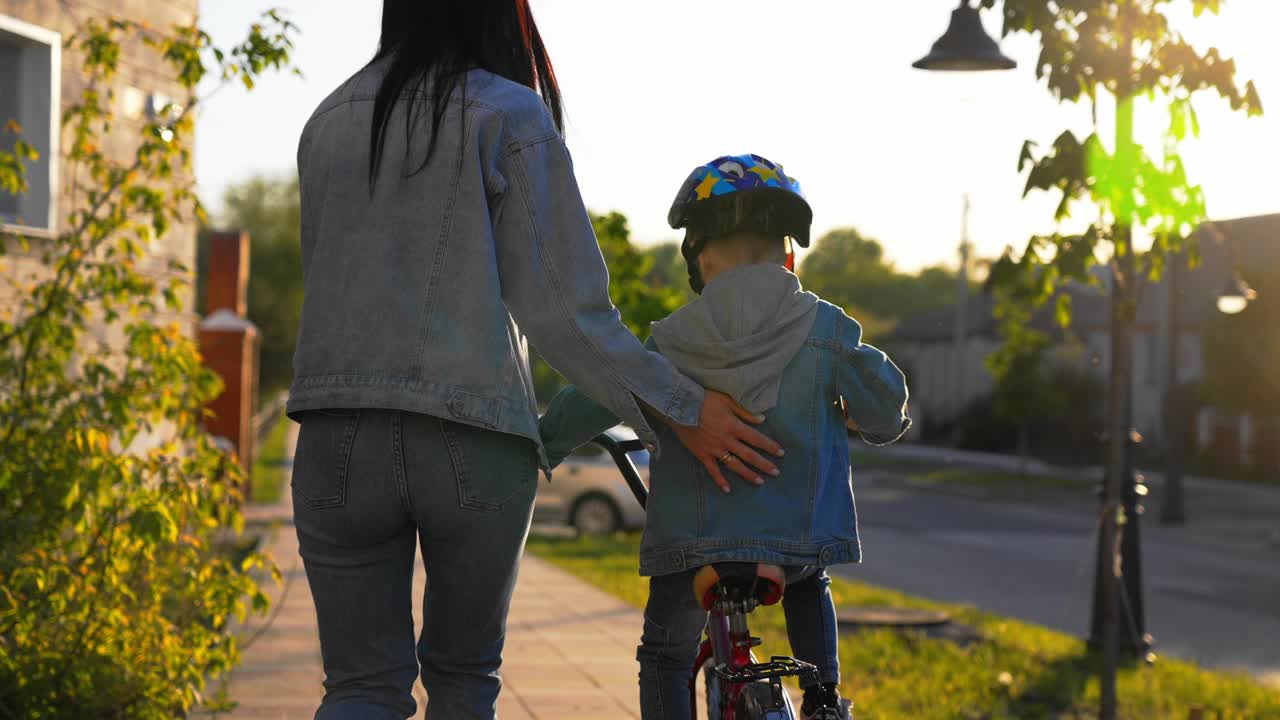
(740, 581)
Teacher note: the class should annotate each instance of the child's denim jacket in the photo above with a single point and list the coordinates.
(806, 515)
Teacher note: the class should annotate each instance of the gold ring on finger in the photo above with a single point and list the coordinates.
(728, 458)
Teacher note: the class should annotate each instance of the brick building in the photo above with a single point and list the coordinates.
(39, 78)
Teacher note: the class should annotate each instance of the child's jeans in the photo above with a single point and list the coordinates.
(673, 625)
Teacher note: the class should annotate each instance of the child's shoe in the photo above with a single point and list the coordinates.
(823, 702)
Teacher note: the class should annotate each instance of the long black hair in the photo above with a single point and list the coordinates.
(433, 43)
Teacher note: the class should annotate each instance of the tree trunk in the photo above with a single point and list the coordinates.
(1117, 434)
(1120, 382)
(1123, 299)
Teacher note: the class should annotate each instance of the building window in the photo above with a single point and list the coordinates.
(30, 95)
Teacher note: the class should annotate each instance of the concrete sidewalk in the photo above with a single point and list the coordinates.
(570, 650)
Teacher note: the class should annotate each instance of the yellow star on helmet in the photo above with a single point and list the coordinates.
(708, 182)
(766, 174)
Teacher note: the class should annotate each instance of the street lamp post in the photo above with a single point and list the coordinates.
(1173, 509)
(1233, 299)
(965, 46)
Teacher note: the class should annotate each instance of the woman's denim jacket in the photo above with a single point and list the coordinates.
(806, 515)
(419, 291)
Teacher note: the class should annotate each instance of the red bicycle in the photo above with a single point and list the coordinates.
(738, 686)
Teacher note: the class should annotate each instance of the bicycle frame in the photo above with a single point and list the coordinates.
(728, 643)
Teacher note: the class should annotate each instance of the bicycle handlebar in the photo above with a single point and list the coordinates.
(618, 450)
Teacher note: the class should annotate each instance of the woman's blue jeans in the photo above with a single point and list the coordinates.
(673, 630)
(367, 486)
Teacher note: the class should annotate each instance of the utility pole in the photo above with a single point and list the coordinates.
(1173, 509)
(962, 301)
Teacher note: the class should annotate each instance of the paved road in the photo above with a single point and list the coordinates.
(1216, 605)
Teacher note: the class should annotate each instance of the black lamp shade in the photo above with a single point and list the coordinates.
(965, 46)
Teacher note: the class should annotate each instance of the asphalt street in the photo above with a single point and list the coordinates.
(1217, 605)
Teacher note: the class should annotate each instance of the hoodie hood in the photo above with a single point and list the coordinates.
(741, 333)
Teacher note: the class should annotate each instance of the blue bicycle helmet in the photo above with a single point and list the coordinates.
(733, 192)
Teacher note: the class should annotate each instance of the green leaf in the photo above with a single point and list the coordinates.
(1062, 311)
(1252, 100)
(155, 525)
(1026, 156)
(1200, 6)
(72, 496)
(1178, 120)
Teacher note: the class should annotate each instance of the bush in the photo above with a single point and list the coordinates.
(115, 597)
(1068, 436)
(638, 299)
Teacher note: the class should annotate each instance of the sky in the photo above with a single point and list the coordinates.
(824, 87)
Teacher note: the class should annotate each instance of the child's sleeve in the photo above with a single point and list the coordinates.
(873, 388)
(572, 419)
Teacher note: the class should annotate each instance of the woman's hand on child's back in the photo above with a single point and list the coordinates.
(722, 436)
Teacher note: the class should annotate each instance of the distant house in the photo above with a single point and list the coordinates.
(948, 368)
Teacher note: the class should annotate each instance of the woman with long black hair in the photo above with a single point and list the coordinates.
(441, 222)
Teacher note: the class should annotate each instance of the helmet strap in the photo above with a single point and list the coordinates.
(691, 248)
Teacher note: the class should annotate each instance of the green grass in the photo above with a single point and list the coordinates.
(874, 459)
(1016, 670)
(268, 468)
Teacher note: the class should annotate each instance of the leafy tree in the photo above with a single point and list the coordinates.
(669, 269)
(268, 208)
(115, 592)
(850, 270)
(1024, 391)
(1124, 49)
(639, 301)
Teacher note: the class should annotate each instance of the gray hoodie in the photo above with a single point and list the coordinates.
(741, 333)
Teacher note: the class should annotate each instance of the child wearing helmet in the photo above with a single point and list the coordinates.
(786, 355)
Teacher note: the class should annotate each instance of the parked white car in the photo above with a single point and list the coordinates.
(587, 491)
